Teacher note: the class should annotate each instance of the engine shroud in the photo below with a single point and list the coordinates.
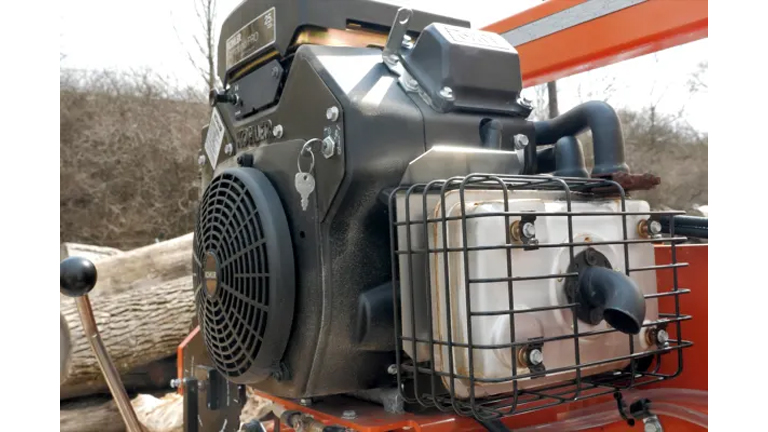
(243, 274)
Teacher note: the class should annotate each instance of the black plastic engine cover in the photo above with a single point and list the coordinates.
(257, 26)
(341, 242)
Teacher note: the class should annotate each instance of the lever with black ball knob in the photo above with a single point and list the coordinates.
(77, 278)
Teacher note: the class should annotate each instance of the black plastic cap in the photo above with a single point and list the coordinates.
(78, 276)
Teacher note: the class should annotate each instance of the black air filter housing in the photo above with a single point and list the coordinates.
(243, 274)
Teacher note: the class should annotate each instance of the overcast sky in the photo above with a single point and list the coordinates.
(98, 34)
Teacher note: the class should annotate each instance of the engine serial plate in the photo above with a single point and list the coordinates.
(252, 38)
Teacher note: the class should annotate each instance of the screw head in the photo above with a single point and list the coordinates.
(535, 357)
(446, 93)
(275, 72)
(662, 337)
(654, 227)
(201, 160)
(349, 415)
(175, 383)
(228, 149)
(392, 369)
(277, 131)
(521, 141)
(305, 401)
(529, 230)
(332, 113)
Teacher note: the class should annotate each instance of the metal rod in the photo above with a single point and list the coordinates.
(107, 367)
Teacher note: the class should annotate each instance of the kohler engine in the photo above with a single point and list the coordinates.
(378, 213)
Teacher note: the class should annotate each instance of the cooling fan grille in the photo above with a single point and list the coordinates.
(232, 275)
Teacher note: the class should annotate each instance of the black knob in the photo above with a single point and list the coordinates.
(78, 276)
(217, 96)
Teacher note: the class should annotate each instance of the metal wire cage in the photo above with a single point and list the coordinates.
(440, 358)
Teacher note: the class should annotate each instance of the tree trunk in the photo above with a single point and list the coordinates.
(138, 327)
(554, 110)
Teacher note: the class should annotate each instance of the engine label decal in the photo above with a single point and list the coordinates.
(250, 39)
(214, 137)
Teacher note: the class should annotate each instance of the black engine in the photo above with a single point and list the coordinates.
(328, 106)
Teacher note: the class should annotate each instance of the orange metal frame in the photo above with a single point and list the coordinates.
(646, 27)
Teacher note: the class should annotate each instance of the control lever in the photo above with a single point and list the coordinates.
(77, 279)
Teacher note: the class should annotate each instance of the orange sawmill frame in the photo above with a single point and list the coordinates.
(642, 27)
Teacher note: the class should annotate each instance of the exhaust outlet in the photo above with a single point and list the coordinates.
(616, 295)
(604, 294)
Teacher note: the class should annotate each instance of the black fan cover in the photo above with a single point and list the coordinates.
(243, 274)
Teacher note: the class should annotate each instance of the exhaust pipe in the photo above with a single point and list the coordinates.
(607, 138)
(615, 295)
(565, 159)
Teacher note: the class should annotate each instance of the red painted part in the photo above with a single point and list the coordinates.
(647, 27)
(372, 418)
(180, 356)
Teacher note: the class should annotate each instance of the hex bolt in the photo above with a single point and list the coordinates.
(525, 102)
(175, 383)
(529, 230)
(652, 424)
(446, 93)
(392, 369)
(277, 131)
(305, 402)
(329, 147)
(662, 337)
(521, 141)
(654, 227)
(349, 415)
(332, 113)
(201, 160)
(229, 148)
(535, 357)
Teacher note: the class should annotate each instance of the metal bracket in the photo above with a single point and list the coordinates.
(638, 410)
(391, 53)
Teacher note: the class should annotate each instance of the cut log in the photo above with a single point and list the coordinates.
(164, 414)
(66, 347)
(144, 267)
(138, 327)
(153, 377)
(91, 252)
(97, 415)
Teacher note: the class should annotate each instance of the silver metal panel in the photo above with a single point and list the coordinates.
(567, 18)
(442, 162)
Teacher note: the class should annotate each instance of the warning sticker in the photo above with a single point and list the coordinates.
(254, 36)
(214, 137)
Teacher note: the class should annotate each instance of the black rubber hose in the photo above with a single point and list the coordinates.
(614, 293)
(690, 226)
(607, 138)
(565, 159)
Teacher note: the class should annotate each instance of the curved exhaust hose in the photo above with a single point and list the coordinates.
(619, 298)
(602, 120)
(565, 159)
